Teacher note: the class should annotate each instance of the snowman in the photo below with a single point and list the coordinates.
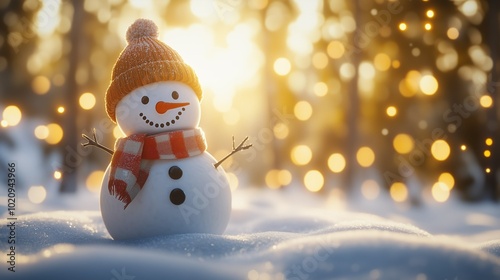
(161, 180)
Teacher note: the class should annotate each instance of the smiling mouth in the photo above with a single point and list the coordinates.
(162, 125)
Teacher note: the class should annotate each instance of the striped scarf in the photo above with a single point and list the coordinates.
(134, 155)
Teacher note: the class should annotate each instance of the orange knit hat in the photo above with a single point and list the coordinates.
(144, 61)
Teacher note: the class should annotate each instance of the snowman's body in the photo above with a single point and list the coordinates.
(198, 201)
(187, 195)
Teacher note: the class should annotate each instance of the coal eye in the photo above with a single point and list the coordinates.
(177, 196)
(145, 100)
(175, 95)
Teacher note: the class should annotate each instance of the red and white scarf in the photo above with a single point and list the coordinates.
(134, 155)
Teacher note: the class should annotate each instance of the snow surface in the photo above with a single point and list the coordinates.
(271, 235)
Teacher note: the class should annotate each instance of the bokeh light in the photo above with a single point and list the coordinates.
(402, 26)
(486, 101)
(428, 84)
(447, 179)
(429, 13)
(313, 180)
(440, 192)
(301, 154)
(37, 194)
(57, 175)
(336, 162)
(42, 132)
(60, 109)
(403, 143)
(335, 49)
(55, 134)
(87, 101)
(452, 33)
(94, 180)
(370, 189)
(440, 150)
(282, 66)
(365, 156)
(398, 191)
(391, 111)
(488, 141)
(40, 85)
(303, 110)
(11, 115)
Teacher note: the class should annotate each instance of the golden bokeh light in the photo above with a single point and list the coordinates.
(336, 162)
(486, 101)
(487, 153)
(41, 132)
(301, 155)
(11, 116)
(282, 66)
(463, 147)
(320, 60)
(320, 89)
(347, 71)
(94, 180)
(4, 123)
(40, 85)
(398, 192)
(277, 178)
(452, 33)
(402, 26)
(303, 110)
(37, 194)
(382, 62)
(488, 141)
(428, 26)
(428, 84)
(284, 177)
(440, 192)
(429, 13)
(440, 150)
(87, 101)
(314, 181)
(487, 170)
(60, 109)
(403, 143)
(366, 70)
(55, 134)
(281, 130)
(233, 181)
(365, 156)
(57, 175)
(391, 111)
(370, 189)
(335, 49)
(447, 179)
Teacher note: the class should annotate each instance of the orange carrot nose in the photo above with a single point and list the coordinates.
(162, 107)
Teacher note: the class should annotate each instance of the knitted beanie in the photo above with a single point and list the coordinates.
(146, 60)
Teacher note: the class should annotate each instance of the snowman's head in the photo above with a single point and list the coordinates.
(158, 107)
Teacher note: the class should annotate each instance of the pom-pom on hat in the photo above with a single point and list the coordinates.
(146, 60)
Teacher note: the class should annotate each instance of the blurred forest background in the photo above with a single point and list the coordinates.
(337, 96)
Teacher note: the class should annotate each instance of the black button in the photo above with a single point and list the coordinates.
(175, 172)
(177, 196)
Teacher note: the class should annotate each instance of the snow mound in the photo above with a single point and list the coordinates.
(314, 245)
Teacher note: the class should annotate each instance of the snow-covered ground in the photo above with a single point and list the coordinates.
(288, 234)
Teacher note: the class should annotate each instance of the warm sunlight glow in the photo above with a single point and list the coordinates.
(87, 101)
(11, 115)
(313, 180)
(399, 192)
(365, 156)
(301, 155)
(37, 194)
(440, 150)
(336, 162)
(117, 132)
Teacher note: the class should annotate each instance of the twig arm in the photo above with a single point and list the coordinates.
(240, 147)
(93, 142)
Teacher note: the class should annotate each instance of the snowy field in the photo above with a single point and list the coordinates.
(272, 235)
